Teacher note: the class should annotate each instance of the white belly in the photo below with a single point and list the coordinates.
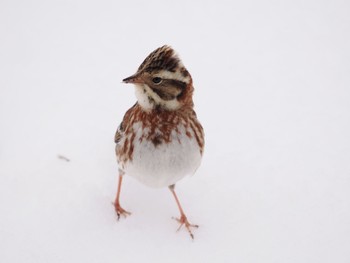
(166, 163)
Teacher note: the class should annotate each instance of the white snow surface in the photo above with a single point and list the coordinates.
(272, 92)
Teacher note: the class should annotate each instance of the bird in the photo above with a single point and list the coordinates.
(160, 140)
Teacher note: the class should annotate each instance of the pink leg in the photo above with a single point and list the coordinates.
(183, 219)
(118, 209)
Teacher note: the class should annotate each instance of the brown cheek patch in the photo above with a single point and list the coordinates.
(176, 83)
(173, 91)
(164, 94)
(169, 89)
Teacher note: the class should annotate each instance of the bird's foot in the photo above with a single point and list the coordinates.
(120, 211)
(183, 221)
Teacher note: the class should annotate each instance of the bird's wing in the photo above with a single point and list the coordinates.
(121, 128)
(119, 133)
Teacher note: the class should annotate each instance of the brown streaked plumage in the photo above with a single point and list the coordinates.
(160, 139)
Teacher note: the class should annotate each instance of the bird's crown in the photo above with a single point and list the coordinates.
(163, 58)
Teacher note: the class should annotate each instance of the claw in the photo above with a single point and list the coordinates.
(120, 211)
(183, 221)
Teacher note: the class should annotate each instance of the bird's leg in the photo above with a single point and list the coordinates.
(183, 219)
(118, 209)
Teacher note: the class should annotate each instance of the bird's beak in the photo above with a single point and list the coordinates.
(133, 79)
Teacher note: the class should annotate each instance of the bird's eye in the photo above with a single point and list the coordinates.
(157, 80)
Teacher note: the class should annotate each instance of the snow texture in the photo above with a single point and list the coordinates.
(272, 92)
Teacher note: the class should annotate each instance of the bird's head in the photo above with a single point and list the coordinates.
(162, 81)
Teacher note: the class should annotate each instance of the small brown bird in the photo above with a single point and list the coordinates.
(160, 140)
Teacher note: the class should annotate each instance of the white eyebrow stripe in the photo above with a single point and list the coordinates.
(177, 75)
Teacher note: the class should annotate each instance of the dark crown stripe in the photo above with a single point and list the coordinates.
(163, 58)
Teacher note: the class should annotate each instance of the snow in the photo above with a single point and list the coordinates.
(272, 92)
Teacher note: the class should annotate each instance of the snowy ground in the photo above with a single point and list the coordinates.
(272, 91)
